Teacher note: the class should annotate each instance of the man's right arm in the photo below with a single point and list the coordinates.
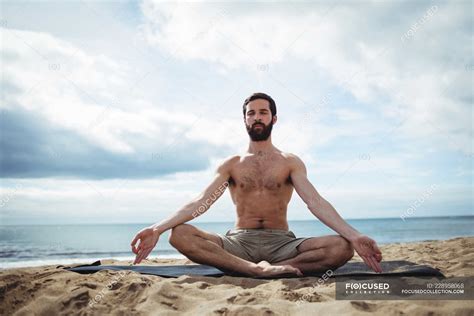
(201, 203)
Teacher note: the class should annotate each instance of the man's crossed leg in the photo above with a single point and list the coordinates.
(317, 254)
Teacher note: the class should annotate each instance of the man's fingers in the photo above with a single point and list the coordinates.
(294, 270)
(298, 272)
(376, 248)
(378, 257)
(135, 239)
(376, 264)
(138, 258)
(134, 250)
(147, 252)
(369, 263)
(142, 255)
(373, 264)
(134, 243)
(376, 252)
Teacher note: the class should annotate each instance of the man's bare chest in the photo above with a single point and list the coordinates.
(260, 174)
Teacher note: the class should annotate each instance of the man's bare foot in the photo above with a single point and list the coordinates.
(265, 269)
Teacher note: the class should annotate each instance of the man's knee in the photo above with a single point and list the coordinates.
(179, 233)
(342, 251)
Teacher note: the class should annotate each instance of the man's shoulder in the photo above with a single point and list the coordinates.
(229, 162)
(293, 161)
(291, 157)
(232, 159)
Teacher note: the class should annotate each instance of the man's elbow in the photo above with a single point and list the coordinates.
(198, 211)
(313, 207)
(202, 205)
(314, 204)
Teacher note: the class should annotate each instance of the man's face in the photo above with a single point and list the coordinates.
(258, 120)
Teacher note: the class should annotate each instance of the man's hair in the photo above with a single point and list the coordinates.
(261, 95)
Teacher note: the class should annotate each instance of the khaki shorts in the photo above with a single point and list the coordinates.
(256, 244)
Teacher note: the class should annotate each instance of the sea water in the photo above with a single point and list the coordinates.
(33, 245)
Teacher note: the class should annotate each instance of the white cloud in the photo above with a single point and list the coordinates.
(411, 79)
(82, 93)
(348, 115)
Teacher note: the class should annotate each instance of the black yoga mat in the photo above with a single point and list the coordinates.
(390, 268)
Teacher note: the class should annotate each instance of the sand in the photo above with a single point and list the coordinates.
(50, 291)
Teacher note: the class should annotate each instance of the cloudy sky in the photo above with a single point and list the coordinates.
(120, 111)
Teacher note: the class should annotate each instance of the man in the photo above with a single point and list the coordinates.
(261, 183)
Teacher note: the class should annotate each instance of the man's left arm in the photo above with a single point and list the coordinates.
(366, 247)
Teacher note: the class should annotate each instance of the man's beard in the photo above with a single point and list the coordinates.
(259, 134)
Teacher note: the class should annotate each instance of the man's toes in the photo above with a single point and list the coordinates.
(293, 270)
(298, 272)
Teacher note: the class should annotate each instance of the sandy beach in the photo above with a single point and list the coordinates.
(49, 291)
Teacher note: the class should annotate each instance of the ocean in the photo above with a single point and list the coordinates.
(34, 245)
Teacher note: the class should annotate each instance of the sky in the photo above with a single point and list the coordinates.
(120, 112)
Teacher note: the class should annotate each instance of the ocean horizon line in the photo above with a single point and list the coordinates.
(217, 222)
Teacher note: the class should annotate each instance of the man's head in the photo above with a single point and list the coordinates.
(259, 116)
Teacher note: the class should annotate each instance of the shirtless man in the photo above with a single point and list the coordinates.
(261, 183)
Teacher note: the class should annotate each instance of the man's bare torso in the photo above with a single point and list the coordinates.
(261, 188)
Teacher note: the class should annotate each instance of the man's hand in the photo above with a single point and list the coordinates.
(369, 251)
(148, 238)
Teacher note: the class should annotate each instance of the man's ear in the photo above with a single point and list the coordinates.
(274, 119)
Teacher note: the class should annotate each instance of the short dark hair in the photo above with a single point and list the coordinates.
(261, 95)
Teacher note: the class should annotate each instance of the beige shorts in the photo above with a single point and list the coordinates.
(256, 244)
